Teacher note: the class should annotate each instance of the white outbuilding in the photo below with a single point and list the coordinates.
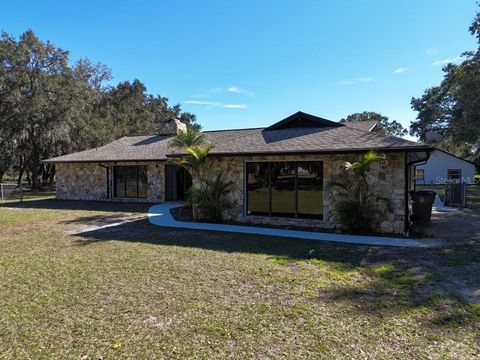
(443, 167)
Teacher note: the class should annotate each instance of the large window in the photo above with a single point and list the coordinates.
(130, 181)
(285, 188)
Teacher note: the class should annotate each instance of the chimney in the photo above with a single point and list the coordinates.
(171, 127)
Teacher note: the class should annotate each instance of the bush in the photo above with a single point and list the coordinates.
(211, 199)
(353, 216)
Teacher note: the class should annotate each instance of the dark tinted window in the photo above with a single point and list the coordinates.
(285, 188)
(119, 181)
(130, 181)
(258, 188)
(310, 189)
(142, 181)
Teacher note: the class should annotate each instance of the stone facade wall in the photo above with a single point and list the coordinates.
(80, 181)
(386, 180)
(171, 127)
(88, 181)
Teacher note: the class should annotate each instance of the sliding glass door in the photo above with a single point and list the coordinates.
(291, 189)
(130, 181)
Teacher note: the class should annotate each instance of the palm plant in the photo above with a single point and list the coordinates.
(357, 208)
(211, 198)
(195, 160)
(208, 196)
(189, 138)
(360, 168)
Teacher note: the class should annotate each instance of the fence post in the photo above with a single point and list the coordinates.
(1, 187)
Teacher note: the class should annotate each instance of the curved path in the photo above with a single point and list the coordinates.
(160, 215)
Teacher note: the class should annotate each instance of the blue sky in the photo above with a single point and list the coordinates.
(250, 63)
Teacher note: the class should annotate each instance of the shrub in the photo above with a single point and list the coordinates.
(210, 200)
(353, 216)
(357, 206)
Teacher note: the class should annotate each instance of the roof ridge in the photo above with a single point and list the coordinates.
(138, 135)
(220, 130)
(382, 135)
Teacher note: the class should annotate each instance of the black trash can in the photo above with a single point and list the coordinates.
(422, 202)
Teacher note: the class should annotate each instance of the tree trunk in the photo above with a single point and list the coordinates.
(52, 175)
(35, 163)
(21, 170)
(29, 181)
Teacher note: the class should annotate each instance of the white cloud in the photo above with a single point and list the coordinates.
(431, 51)
(446, 61)
(221, 90)
(217, 104)
(208, 93)
(237, 90)
(234, 106)
(400, 70)
(355, 81)
(206, 103)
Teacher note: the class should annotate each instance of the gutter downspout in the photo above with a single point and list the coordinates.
(407, 180)
(107, 168)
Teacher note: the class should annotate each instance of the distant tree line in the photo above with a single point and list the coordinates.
(452, 109)
(384, 126)
(50, 107)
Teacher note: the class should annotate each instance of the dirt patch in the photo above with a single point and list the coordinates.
(454, 227)
(161, 322)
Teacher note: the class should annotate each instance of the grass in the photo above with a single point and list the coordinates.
(138, 291)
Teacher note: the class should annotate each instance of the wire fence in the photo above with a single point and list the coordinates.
(11, 192)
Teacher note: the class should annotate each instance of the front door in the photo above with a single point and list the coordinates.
(177, 181)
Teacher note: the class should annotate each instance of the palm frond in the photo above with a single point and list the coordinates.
(185, 139)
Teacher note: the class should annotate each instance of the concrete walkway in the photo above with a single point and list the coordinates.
(160, 215)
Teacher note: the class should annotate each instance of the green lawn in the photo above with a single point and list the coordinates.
(138, 291)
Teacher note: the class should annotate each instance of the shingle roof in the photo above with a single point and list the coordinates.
(301, 119)
(363, 125)
(304, 140)
(250, 141)
(298, 133)
(128, 148)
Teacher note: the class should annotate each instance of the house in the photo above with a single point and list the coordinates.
(282, 174)
(443, 167)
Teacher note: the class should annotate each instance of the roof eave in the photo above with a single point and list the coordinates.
(313, 152)
(53, 161)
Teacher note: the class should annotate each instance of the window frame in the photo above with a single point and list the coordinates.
(454, 170)
(417, 171)
(270, 214)
(124, 177)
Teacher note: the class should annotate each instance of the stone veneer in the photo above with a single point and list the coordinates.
(87, 181)
(386, 179)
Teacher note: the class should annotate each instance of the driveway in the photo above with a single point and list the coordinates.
(462, 225)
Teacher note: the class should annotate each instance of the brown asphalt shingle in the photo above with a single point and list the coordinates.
(248, 141)
(128, 148)
(362, 125)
